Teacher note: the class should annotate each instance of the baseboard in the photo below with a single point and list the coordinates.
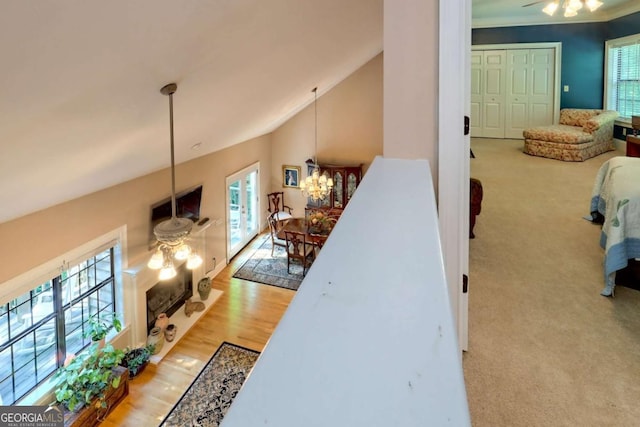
(216, 269)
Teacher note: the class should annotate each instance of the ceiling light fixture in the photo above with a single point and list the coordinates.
(172, 233)
(571, 7)
(316, 186)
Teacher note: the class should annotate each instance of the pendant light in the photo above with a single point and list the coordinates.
(316, 186)
(172, 233)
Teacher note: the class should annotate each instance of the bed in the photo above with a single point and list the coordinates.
(616, 199)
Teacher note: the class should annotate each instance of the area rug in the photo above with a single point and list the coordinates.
(208, 398)
(263, 268)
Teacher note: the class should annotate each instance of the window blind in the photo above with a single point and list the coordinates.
(623, 93)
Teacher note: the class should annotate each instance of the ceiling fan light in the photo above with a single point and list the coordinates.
(592, 5)
(194, 261)
(576, 5)
(167, 272)
(550, 8)
(569, 12)
(157, 261)
(182, 252)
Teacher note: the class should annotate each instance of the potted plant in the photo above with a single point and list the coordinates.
(98, 328)
(136, 359)
(87, 378)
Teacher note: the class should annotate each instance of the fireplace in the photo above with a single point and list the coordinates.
(169, 295)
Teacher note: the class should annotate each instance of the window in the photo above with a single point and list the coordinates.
(41, 327)
(622, 88)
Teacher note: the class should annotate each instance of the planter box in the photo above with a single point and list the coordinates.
(92, 416)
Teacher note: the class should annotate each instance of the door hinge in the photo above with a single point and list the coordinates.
(465, 283)
(467, 123)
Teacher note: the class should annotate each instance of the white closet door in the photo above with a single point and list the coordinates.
(477, 79)
(542, 84)
(518, 89)
(494, 98)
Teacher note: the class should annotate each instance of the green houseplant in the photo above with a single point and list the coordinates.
(98, 327)
(87, 377)
(136, 359)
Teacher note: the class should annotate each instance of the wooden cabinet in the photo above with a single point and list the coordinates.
(633, 146)
(345, 181)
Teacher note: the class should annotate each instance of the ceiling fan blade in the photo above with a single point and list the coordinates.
(534, 3)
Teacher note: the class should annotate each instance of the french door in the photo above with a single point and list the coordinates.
(242, 208)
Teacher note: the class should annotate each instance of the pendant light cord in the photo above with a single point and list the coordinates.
(315, 108)
(173, 172)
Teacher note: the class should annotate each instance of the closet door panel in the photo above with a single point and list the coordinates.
(517, 101)
(542, 84)
(476, 93)
(494, 94)
(540, 114)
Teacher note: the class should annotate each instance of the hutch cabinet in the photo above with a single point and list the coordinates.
(345, 181)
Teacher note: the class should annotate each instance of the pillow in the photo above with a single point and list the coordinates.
(576, 116)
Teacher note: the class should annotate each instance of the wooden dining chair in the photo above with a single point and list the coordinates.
(299, 250)
(276, 206)
(273, 231)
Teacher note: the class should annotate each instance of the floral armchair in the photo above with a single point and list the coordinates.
(580, 135)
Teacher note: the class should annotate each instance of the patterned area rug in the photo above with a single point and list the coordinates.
(209, 397)
(263, 268)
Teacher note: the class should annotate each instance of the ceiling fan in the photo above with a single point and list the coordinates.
(570, 7)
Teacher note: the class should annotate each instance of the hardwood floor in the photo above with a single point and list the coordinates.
(246, 314)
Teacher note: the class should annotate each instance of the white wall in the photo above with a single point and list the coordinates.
(411, 81)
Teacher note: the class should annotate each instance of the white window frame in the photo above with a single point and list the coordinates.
(23, 283)
(609, 82)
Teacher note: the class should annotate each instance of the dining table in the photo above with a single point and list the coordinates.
(299, 225)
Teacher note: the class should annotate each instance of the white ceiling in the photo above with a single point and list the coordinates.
(495, 13)
(81, 109)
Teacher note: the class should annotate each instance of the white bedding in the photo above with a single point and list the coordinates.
(616, 196)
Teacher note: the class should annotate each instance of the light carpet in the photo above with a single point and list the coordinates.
(545, 348)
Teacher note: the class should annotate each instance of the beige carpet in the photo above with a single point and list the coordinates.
(545, 349)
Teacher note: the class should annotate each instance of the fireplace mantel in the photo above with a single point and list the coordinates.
(139, 279)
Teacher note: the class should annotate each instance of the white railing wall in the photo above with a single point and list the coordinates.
(369, 338)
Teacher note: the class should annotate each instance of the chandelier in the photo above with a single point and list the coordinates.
(571, 7)
(172, 233)
(316, 186)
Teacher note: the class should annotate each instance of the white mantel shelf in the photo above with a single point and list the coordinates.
(369, 338)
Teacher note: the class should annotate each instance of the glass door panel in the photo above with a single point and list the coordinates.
(352, 182)
(235, 232)
(251, 217)
(337, 190)
(242, 208)
(326, 202)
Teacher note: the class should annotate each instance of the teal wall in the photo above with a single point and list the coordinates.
(582, 52)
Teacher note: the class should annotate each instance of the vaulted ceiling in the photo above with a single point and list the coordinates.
(81, 108)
